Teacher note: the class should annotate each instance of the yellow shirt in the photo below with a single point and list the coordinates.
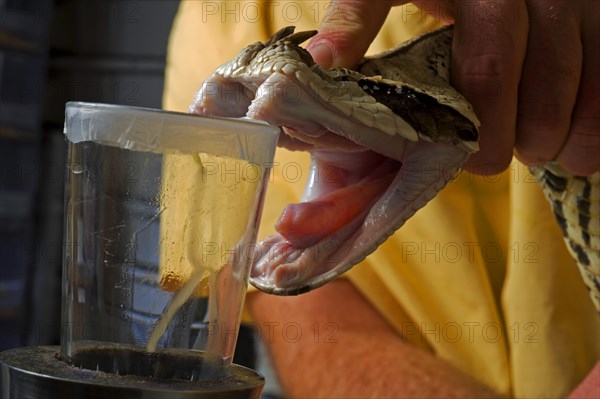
(480, 276)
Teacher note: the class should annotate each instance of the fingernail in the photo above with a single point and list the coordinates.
(322, 53)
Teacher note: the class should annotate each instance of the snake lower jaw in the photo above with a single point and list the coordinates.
(286, 268)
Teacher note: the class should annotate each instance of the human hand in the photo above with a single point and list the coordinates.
(528, 67)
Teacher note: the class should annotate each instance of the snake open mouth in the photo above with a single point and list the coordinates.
(373, 166)
(352, 203)
(342, 189)
(307, 223)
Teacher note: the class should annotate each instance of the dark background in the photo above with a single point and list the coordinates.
(52, 52)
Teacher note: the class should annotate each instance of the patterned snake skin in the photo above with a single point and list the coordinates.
(402, 95)
(575, 201)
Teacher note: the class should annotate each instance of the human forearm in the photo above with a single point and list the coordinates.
(590, 386)
(347, 350)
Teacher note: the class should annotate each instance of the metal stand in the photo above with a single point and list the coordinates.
(36, 373)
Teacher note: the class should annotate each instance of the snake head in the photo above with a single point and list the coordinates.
(384, 139)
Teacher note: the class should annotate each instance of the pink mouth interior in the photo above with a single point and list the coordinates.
(338, 199)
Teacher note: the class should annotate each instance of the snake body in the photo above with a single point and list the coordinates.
(575, 201)
(395, 115)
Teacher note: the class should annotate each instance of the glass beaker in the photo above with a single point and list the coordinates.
(162, 211)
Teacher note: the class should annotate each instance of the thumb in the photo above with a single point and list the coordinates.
(347, 30)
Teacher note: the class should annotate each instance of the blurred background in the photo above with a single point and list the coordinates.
(52, 52)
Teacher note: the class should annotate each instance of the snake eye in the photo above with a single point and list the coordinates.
(468, 134)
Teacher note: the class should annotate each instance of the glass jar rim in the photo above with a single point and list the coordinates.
(157, 130)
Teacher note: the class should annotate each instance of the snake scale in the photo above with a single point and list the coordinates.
(393, 132)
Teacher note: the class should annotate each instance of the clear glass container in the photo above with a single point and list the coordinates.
(162, 211)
